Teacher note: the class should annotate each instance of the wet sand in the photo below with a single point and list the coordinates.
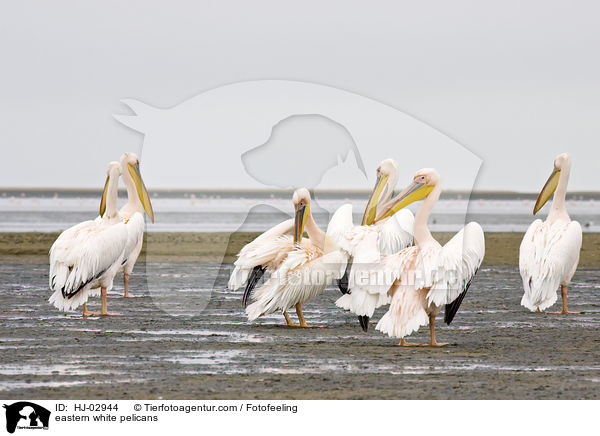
(174, 348)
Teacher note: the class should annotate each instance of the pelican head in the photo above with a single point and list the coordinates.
(387, 176)
(562, 162)
(423, 183)
(131, 164)
(112, 173)
(301, 200)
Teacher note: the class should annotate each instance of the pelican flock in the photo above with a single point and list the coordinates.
(390, 258)
(85, 258)
(549, 252)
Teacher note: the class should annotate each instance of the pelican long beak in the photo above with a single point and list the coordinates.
(415, 192)
(547, 190)
(103, 199)
(300, 222)
(134, 171)
(371, 209)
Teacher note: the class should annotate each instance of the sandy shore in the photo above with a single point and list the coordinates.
(497, 348)
(502, 249)
(162, 347)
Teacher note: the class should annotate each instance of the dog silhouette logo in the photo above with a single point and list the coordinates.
(26, 415)
(269, 135)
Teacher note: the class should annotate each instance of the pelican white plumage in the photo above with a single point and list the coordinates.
(365, 244)
(425, 277)
(549, 252)
(137, 201)
(268, 251)
(304, 271)
(88, 255)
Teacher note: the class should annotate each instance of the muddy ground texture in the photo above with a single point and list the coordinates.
(185, 336)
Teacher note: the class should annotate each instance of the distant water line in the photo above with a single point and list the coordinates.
(48, 211)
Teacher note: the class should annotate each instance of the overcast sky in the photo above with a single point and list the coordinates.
(515, 82)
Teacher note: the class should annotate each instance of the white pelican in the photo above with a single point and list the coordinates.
(268, 251)
(88, 255)
(137, 201)
(364, 244)
(304, 272)
(549, 252)
(427, 276)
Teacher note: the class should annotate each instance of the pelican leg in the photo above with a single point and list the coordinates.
(288, 319)
(103, 310)
(563, 293)
(126, 285)
(85, 311)
(301, 317)
(432, 341)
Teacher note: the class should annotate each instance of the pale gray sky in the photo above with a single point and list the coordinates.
(514, 82)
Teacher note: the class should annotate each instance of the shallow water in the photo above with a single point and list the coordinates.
(188, 212)
(201, 346)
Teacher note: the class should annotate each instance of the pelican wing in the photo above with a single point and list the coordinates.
(305, 273)
(396, 232)
(455, 267)
(266, 248)
(83, 256)
(548, 256)
(366, 245)
(340, 228)
(407, 311)
(135, 236)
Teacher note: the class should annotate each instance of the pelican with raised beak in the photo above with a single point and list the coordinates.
(422, 279)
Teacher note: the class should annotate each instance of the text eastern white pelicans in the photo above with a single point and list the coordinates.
(550, 249)
(423, 278)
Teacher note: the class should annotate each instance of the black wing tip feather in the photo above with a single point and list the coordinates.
(452, 308)
(343, 285)
(363, 320)
(343, 282)
(70, 294)
(255, 275)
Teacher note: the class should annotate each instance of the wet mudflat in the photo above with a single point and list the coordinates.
(184, 336)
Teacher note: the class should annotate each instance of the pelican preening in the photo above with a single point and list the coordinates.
(300, 268)
(89, 255)
(364, 244)
(549, 252)
(427, 276)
